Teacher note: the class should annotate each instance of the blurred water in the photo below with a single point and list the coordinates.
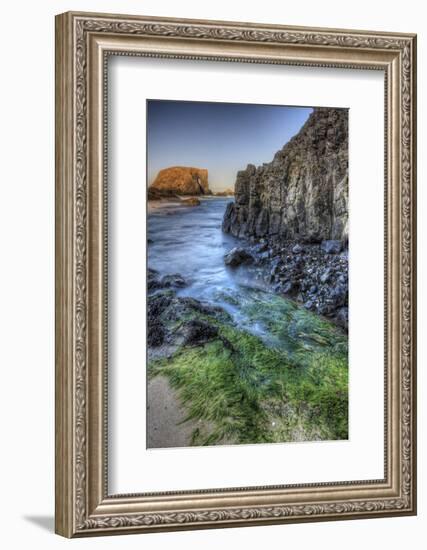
(189, 241)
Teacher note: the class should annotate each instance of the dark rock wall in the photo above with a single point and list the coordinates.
(303, 193)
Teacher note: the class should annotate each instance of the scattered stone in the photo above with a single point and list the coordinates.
(226, 193)
(192, 201)
(331, 247)
(297, 249)
(311, 275)
(264, 256)
(339, 295)
(324, 309)
(326, 275)
(276, 265)
(263, 247)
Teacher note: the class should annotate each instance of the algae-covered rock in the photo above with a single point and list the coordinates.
(197, 331)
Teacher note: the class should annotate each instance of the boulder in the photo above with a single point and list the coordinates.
(197, 332)
(339, 295)
(155, 282)
(342, 317)
(297, 249)
(238, 256)
(157, 304)
(263, 246)
(290, 287)
(155, 334)
(175, 320)
(326, 275)
(331, 246)
(309, 304)
(175, 280)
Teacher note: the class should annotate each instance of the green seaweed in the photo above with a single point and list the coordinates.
(291, 327)
(251, 390)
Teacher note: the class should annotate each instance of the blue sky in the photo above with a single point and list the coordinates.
(222, 137)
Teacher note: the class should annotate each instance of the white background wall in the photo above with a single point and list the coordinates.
(27, 273)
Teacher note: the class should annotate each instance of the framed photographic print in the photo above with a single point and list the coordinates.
(235, 274)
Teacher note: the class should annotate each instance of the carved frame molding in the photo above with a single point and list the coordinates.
(83, 43)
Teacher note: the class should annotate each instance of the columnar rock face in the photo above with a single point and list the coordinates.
(303, 193)
(180, 180)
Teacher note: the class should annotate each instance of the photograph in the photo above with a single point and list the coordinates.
(247, 314)
(235, 271)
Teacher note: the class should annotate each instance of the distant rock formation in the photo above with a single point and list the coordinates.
(179, 180)
(226, 193)
(302, 194)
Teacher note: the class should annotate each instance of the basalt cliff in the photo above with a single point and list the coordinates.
(302, 195)
(292, 215)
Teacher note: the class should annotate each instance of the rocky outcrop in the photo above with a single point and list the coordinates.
(302, 195)
(293, 213)
(226, 193)
(179, 180)
(313, 275)
(191, 201)
(180, 320)
(238, 256)
(155, 282)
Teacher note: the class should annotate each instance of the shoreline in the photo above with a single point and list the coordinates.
(250, 364)
(300, 271)
(304, 273)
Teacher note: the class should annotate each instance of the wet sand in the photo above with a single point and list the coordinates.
(164, 415)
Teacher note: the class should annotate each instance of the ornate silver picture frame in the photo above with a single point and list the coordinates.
(84, 42)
